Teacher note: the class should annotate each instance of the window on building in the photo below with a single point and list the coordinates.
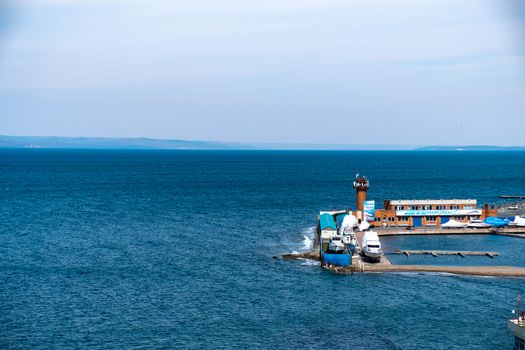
(391, 219)
(454, 207)
(428, 207)
(413, 207)
(399, 207)
(430, 218)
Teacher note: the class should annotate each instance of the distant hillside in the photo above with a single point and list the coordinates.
(116, 143)
(146, 143)
(470, 148)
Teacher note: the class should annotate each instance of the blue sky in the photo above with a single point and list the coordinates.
(318, 71)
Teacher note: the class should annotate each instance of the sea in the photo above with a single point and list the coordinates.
(162, 249)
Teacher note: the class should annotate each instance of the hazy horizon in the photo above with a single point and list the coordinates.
(319, 72)
(7, 141)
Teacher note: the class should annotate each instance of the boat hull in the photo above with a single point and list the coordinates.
(479, 226)
(374, 255)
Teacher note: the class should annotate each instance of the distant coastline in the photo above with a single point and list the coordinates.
(174, 144)
(471, 148)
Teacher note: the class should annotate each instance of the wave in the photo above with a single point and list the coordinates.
(308, 238)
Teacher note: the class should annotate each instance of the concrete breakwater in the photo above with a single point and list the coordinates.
(461, 253)
(358, 266)
(495, 271)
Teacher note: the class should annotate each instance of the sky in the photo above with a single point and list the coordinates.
(418, 72)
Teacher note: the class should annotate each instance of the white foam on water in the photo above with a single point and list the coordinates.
(308, 238)
(308, 262)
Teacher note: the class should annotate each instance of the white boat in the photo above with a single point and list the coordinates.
(454, 224)
(350, 240)
(349, 222)
(371, 246)
(518, 221)
(336, 245)
(513, 207)
(364, 225)
(517, 327)
(474, 223)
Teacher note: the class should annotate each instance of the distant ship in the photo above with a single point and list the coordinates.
(517, 327)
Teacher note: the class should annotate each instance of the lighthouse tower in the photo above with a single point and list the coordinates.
(361, 185)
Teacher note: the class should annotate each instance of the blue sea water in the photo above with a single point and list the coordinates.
(173, 249)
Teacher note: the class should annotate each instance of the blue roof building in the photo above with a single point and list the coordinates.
(326, 221)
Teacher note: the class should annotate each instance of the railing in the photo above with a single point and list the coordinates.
(520, 322)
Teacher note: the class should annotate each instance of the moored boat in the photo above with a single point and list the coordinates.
(517, 327)
(454, 224)
(518, 221)
(371, 247)
(497, 222)
(475, 223)
(336, 245)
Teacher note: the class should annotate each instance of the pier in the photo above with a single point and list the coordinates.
(445, 252)
(418, 217)
(495, 271)
(361, 266)
(436, 230)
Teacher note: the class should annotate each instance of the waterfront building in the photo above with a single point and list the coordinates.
(416, 212)
(327, 226)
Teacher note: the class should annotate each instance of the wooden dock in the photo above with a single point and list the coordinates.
(445, 252)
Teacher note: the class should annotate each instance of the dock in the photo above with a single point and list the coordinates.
(436, 230)
(493, 271)
(359, 266)
(445, 252)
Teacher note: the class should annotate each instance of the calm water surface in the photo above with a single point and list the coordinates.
(173, 249)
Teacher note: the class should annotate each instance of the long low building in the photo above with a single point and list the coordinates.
(428, 212)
